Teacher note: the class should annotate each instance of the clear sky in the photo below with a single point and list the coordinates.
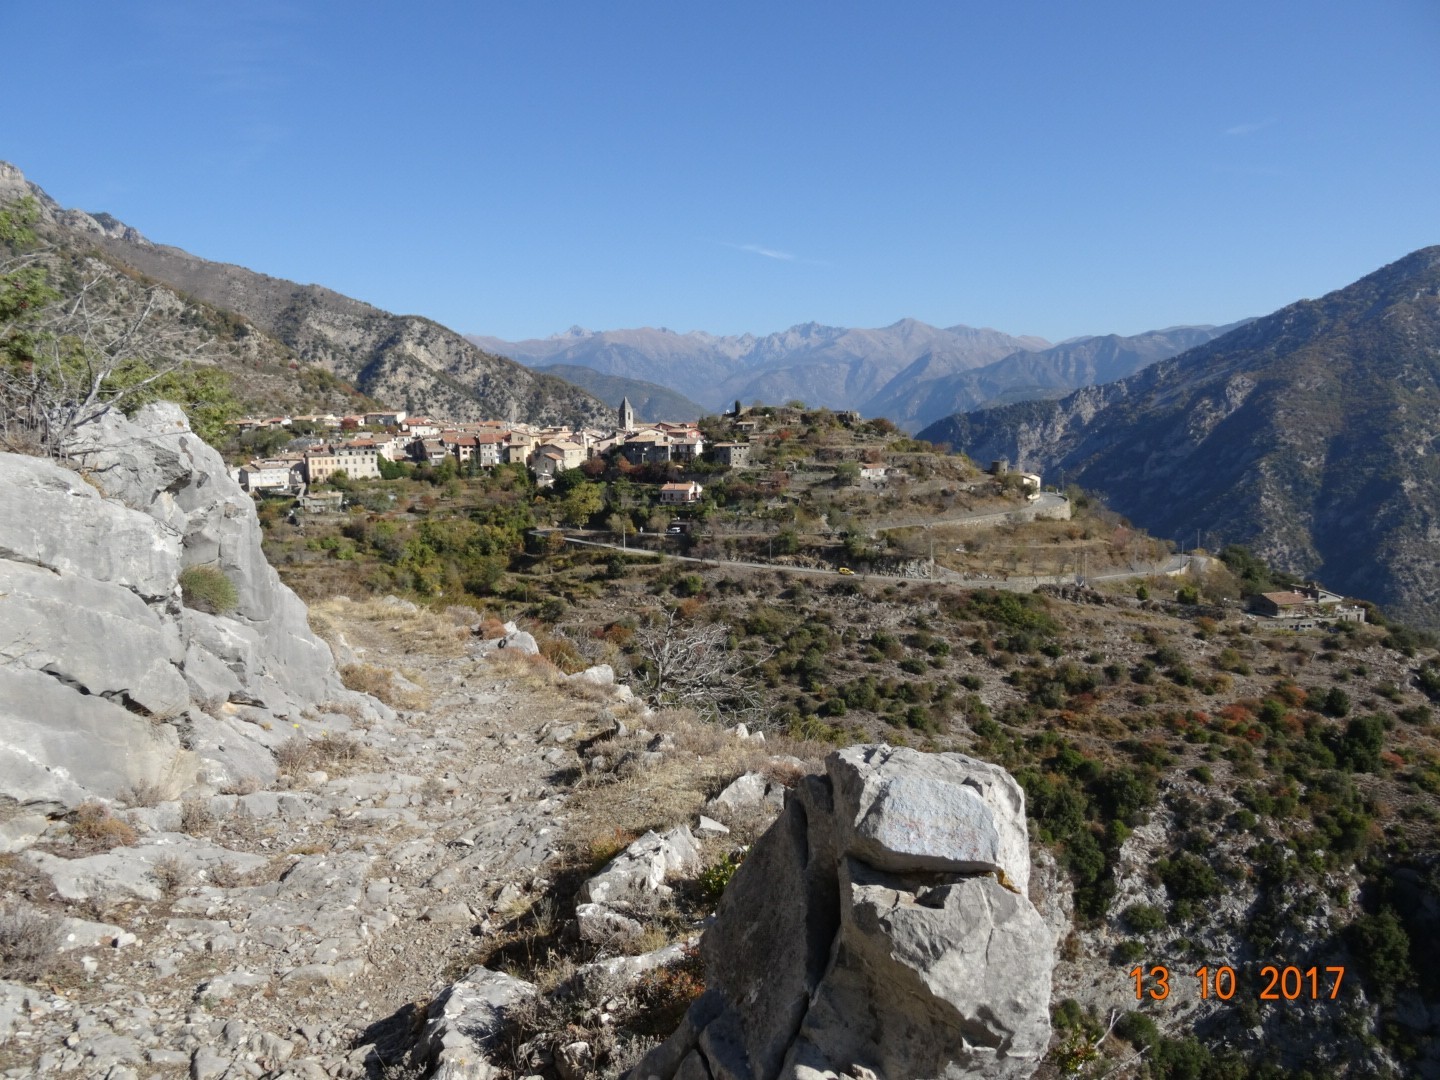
(514, 168)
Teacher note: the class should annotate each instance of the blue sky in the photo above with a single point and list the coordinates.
(512, 169)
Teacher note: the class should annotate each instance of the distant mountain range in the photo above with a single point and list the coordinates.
(1311, 435)
(293, 343)
(910, 372)
(652, 403)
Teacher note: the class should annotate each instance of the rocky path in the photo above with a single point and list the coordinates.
(291, 932)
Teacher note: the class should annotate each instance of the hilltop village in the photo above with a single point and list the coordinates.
(325, 444)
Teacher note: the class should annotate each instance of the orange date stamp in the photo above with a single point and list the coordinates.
(1276, 982)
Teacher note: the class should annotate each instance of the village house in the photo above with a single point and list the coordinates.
(572, 454)
(357, 459)
(328, 420)
(662, 443)
(547, 462)
(1306, 606)
(429, 451)
(271, 474)
(734, 454)
(681, 493)
(873, 472)
(484, 450)
(393, 447)
(322, 502)
(257, 423)
(518, 448)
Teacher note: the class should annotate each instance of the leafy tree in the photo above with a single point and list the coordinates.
(582, 502)
(1358, 749)
(1383, 946)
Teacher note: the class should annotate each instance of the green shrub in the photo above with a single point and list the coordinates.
(1127, 952)
(206, 588)
(1189, 877)
(1336, 702)
(1137, 1029)
(1358, 749)
(1383, 946)
(717, 875)
(1144, 918)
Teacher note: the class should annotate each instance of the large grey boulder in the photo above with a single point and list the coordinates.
(59, 748)
(51, 517)
(880, 927)
(155, 464)
(108, 684)
(641, 869)
(464, 1022)
(91, 634)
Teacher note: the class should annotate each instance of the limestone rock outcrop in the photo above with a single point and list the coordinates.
(108, 683)
(880, 928)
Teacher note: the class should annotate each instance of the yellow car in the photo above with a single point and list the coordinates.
(846, 571)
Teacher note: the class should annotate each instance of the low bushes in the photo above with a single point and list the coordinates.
(206, 588)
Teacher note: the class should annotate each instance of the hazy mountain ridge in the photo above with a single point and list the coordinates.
(402, 360)
(917, 396)
(652, 402)
(1309, 434)
(910, 372)
(838, 367)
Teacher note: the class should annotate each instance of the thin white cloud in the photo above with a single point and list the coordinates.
(757, 249)
(1249, 128)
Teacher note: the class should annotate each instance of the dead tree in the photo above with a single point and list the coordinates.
(691, 665)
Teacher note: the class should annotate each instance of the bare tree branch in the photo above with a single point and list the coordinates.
(692, 665)
(84, 357)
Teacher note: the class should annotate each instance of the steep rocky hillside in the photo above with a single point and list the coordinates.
(1309, 435)
(110, 683)
(404, 361)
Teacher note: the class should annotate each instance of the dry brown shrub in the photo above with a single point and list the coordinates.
(29, 944)
(561, 652)
(381, 683)
(225, 875)
(144, 794)
(336, 754)
(491, 628)
(170, 874)
(196, 818)
(94, 828)
(461, 614)
(293, 756)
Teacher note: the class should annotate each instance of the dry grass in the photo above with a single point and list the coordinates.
(196, 818)
(93, 828)
(29, 943)
(336, 755)
(704, 759)
(170, 875)
(425, 631)
(380, 682)
(144, 794)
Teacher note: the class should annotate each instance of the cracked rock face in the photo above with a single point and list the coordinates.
(880, 928)
(103, 674)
